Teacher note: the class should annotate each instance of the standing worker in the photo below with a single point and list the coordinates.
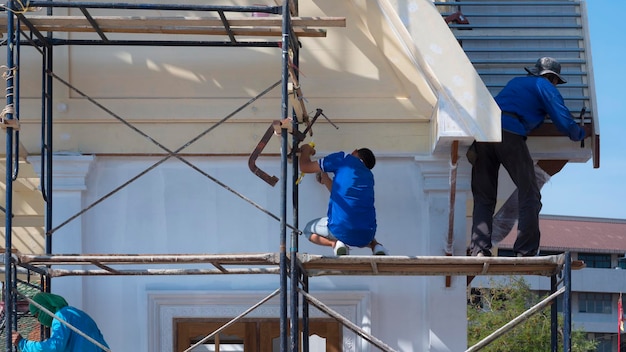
(351, 216)
(525, 102)
(62, 338)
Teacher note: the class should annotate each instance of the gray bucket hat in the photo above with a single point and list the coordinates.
(546, 65)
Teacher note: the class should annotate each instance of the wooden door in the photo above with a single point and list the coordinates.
(260, 335)
(240, 336)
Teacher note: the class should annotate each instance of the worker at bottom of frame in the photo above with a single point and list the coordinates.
(62, 337)
(525, 101)
(351, 216)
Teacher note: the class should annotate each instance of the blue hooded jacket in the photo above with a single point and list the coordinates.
(63, 338)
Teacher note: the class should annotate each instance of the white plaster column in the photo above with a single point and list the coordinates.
(69, 172)
(445, 306)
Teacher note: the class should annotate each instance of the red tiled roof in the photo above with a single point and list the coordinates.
(578, 234)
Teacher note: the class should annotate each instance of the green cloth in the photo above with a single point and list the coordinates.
(49, 301)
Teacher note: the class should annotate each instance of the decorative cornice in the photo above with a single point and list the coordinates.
(69, 171)
(436, 172)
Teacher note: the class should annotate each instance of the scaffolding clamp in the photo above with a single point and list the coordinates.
(276, 129)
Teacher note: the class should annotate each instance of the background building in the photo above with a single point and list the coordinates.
(601, 244)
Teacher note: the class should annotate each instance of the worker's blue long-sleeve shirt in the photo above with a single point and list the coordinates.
(525, 102)
(63, 338)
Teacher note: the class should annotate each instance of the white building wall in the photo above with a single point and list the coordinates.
(174, 209)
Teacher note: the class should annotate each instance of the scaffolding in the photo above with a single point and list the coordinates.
(294, 268)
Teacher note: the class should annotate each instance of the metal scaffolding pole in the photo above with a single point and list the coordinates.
(8, 294)
(47, 146)
(567, 303)
(554, 323)
(283, 224)
(294, 248)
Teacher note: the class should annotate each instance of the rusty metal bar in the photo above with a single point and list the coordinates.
(69, 259)
(454, 157)
(271, 180)
(159, 272)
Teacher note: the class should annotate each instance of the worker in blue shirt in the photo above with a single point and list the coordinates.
(62, 338)
(525, 102)
(351, 216)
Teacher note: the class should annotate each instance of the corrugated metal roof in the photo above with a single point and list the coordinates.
(579, 234)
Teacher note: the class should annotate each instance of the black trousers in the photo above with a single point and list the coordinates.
(513, 154)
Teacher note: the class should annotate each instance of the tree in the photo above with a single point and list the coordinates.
(490, 308)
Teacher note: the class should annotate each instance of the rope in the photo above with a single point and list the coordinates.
(6, 69)
(9, 108)
(22, 8)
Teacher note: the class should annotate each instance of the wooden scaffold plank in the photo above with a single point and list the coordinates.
(434, 265)
(246, 26)
(313, 265)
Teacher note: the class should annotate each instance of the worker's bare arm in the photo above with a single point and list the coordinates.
(306, 164)
(323, 178)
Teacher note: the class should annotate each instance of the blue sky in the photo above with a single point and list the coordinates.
(579, 189)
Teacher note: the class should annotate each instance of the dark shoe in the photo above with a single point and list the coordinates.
(527, 255)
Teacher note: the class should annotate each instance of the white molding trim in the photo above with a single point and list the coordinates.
(164, 306)
(68, 170)
(436, 173)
